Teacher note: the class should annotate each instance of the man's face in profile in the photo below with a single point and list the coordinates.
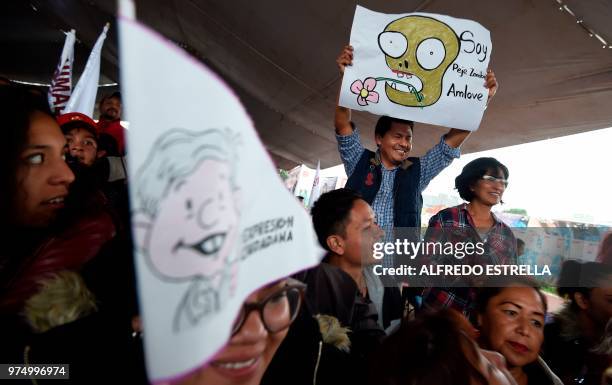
(361, 234)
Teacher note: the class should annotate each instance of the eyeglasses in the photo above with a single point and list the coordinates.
(277, 311)
(492, 179)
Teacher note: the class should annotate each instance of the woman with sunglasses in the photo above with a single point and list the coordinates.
(259, 329)
(481, 184)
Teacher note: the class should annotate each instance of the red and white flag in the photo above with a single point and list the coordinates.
(61, 83)
(83, 99)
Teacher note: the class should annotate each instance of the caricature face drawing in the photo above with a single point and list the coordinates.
(188, 221)
(418, 50)
(196, 225)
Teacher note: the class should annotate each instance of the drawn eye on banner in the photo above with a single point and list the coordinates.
(422, 67)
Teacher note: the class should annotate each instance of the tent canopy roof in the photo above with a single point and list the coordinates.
(279, 56)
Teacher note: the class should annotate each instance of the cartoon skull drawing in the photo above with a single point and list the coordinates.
(418, 50)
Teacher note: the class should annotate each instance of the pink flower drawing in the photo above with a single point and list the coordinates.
(365, 91)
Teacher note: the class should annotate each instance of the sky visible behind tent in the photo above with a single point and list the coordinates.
(567, 178)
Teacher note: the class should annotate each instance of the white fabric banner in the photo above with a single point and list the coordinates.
(83, 99)
(419, 66)
(316, 186)
(61, 83)
(212, 219)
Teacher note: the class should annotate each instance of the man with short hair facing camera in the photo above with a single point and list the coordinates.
(388, 179)
(346, 227)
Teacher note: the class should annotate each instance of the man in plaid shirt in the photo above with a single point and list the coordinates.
(377, 178)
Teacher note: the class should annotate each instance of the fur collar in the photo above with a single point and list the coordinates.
(333, 332)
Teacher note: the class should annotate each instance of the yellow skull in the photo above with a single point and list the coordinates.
(418, 50)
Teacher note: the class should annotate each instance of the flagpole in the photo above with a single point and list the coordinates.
(83, 99)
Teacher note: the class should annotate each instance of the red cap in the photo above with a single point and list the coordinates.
(78, 117)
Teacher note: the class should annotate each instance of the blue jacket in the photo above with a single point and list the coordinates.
(408, 201)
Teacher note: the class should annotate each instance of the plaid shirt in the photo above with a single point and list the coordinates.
(432, 163)
(455, 225)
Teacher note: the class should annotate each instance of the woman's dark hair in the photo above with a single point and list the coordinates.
(384, 125)
(427, 350)
(577, 277)
(496, 284)
(475, 170)
(17, 105)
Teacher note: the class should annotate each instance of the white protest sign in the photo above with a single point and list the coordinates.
(423, 67)
(211, 218)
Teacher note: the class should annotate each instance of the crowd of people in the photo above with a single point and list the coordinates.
(67, 284)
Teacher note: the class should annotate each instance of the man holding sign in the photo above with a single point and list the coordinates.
(374, 174)
(426, 75)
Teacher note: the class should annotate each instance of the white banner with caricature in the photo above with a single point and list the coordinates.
(211, 217)
(423, 67)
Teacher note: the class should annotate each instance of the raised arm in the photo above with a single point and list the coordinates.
(456, 137)
(342, 119)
